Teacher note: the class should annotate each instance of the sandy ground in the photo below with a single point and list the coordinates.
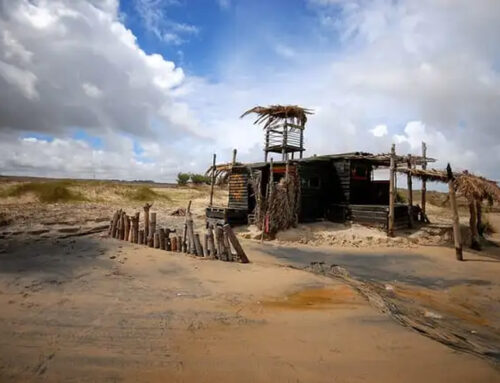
(96, 309)
(90, 308)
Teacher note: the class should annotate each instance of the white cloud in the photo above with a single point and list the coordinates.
(379, 130)
(91, 90)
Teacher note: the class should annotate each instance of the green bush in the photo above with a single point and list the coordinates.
(49, 192)
(199, 179)
(183, 178)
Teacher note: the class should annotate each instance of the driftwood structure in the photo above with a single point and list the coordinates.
(225, 246)
(284, 128)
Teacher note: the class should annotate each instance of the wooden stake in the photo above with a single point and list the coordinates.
(205, 245)
(152, 224)
(236, 244)
(424, 181)
(127, 227)
(211, 242)
(197, 245)
(475, 244)
(173, 243)
(218, 242)
(479, 210)
(135, 226)
(457, 235)
(179, 244)
(228, 255)
(114, 222)
(147, 206)
(162, 238)
(410, 194)
(190, 236)
(141, 237)
(392, 192)
(212, 182)
(156, 240)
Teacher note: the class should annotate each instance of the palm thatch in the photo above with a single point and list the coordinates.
(275, 113)
(469, 185)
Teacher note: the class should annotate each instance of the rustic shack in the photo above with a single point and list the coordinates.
(336, 187)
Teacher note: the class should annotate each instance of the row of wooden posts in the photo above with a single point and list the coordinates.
(218, 242)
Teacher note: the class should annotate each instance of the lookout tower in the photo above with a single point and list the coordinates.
(284, 128)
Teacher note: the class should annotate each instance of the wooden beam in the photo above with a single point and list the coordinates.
(475, 244)
(392, 192)
(457, 235)
(234, 156)
(147, 206)
(236, 244)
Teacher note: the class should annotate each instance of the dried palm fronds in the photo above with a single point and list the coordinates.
(275, 113)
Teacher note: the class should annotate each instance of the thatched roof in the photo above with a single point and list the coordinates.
(467, 184)
(275, 113)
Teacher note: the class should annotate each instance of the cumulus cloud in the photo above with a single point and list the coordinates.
(379, 130)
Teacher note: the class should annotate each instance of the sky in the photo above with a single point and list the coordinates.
(144, 89)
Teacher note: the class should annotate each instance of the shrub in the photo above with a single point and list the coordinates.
(183, 178)
(144, 193)
(49, 192)
(199, 179)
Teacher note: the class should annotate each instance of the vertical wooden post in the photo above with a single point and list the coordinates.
(301, 142)
(285, 140)
(173, 243)
(141, 237)
(218, 242)
(392, 171)
(424, 181)
(212, 182)
(162, 238)
(457, 235)
(197, 245)
(126, 226)
(205, 245)
(156, 240)
(267, 145)
(114, 223)
(147, 206)
(410, 194)
(211, 242)
(190, 236)
(179, 244)
(136, 227)
(479, 211)
(228, 255)
(475, 244)
(234, 156)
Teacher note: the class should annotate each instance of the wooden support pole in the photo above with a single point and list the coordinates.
(301, 142)
(475, 244)
(457, 235)
(205, 245)
(114, 222)
(141, 237)
(211, 242)
(479, 211)
(147, 206)
(179, 244)
(126, 221)
(168, 241)
(392, 192)
(190, 236)
(424, 181)
(235, 151)
(212, 181)
(228, 255)
(197, 245)
(136, 227)
(173, 243)
(285, 141)
(240, 253)
(218, 242)
(410, 193)
(122, 226)
(162, 238)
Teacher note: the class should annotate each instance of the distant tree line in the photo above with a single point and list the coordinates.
(196, 179)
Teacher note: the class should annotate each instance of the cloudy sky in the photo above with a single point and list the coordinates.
(142, 89)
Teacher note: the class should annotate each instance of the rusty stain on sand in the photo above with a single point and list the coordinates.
(315, 299)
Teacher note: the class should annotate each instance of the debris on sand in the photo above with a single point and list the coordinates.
(179, 212)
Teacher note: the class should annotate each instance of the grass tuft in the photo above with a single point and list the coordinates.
(144, 193)
(48, 192)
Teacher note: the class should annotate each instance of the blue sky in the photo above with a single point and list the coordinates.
(147, 88)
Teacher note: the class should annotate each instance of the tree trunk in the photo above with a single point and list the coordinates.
(475, 244)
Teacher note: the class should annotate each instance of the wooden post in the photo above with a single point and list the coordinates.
(190, 236)
(141, 237)
(173, 243)
(457, 235)
(228, 255)
(211, 242)
(212, 182)
(121, 235)
(168, 241)
(156, 240)
(267, 145)
(179, 244)
(162, 238)
(392, 192)
(147, 206)
(218, 242)
(184, 232)
(205, 245)
(410, 193)
(301, 142)
(479, 210)
(152, 224)
(126, 221)
(424, 181)
(234, 156)
(236, 244)
(136, 227)
(114, 223)
(197, 245)
(475, 244)
(285, 140)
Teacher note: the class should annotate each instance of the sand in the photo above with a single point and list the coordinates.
(96, 309)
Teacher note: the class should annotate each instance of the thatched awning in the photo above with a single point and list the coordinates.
(275, 113)
(469, 185)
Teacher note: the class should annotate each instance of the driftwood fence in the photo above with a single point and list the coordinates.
(219, 242)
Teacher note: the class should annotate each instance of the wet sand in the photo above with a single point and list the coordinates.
(96, 309)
